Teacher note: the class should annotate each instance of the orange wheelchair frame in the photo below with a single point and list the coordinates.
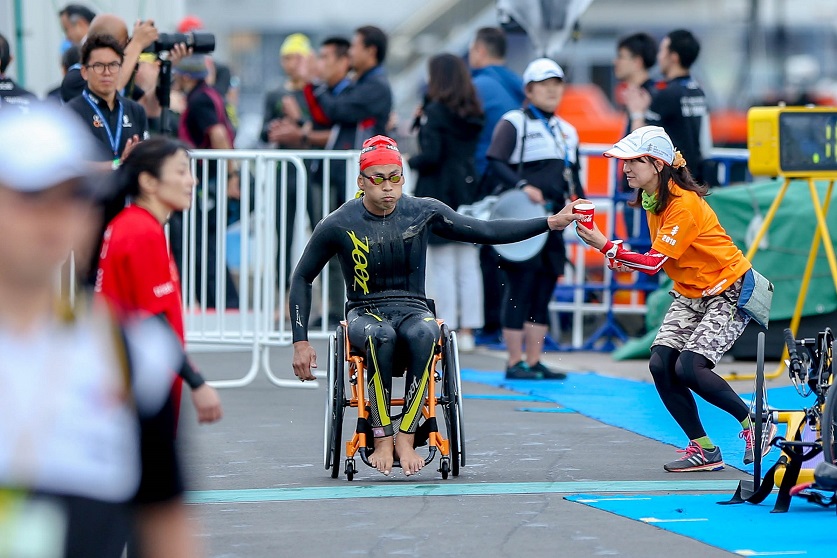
(344, 363)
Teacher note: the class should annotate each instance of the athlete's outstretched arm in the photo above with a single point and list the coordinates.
(454, 226)
(319, 250)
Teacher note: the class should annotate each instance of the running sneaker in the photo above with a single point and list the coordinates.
(548, 373)
(747, 435)
(696, 459)
(521, 371)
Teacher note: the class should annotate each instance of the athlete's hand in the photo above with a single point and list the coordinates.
(563, 218)
(305, 358)
(207, 403)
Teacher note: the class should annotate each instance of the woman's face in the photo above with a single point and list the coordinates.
(174, 187)
(643, 173)
(546, 95)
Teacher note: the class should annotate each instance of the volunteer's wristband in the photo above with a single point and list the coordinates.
(609, 249)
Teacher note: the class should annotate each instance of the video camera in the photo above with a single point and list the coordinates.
(200, 42)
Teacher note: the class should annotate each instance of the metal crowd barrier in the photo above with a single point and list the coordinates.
(258, 320)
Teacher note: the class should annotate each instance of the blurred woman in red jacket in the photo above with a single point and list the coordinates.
(136, 271)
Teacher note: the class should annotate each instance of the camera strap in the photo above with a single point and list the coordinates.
(114, 138)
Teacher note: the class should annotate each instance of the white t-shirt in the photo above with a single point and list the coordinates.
(68, 423)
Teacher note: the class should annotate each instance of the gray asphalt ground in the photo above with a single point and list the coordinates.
(271, 438)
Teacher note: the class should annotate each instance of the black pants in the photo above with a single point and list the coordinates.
(527, 296)
(493, 285)
(677, 375)
(395, 334)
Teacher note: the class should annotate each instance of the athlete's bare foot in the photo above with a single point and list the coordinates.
(382, 457)
(411, 461)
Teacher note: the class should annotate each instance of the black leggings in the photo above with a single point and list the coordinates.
(400, 333)
(676, 375)
(527, 296)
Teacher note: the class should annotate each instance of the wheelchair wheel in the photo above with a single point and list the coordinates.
(452, 391)
(335, 402)
(829, 418)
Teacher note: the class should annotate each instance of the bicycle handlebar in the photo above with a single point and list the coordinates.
(795, 363)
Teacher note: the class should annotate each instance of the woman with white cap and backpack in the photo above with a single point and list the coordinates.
(535, 151)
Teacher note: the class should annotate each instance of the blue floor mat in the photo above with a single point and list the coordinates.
(636, 406)
(745, 529)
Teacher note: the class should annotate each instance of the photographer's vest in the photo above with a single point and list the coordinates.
(220, 113)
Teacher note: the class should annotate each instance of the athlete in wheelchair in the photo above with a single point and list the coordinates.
(380, 239)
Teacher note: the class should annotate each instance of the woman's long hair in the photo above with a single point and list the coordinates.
(682, 177)
(450, 84)
(148, 156)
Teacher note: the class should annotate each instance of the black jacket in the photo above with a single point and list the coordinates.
(361, 111)
(446, 164)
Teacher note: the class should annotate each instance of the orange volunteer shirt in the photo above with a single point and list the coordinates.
(702, 259)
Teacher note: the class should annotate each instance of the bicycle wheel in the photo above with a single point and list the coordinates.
(828, 422)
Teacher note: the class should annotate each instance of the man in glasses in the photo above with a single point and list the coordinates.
(380, 239)
(116, 122)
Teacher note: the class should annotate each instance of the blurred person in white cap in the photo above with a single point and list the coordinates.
(535, 151)
(84, 459)
(709, 272)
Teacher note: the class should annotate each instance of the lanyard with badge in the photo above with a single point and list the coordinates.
(114, 139)
(561, 143)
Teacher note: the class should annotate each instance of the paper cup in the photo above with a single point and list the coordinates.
(586, 210)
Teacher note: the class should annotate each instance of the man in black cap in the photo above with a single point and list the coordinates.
(11, 94)
(204, 125)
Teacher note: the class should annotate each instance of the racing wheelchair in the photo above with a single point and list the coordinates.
(346, 365)
(811, 435)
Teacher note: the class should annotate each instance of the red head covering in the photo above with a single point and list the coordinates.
(379, 150)
(189, 23)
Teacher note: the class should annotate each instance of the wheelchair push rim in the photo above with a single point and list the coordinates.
(335, 403)
(453, 407)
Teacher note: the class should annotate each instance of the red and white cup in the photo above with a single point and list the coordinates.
(587, 211)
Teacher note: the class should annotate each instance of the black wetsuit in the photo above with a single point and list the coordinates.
(383, 263)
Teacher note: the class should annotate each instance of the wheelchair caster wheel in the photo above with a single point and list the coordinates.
(350, 469)
(444, 467)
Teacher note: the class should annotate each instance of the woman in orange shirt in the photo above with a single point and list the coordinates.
(704, 319)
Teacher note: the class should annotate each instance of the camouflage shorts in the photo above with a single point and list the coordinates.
(707, 326)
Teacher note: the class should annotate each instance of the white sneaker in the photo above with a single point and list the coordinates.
(465, 342)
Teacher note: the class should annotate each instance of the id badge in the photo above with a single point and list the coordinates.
(31, 528)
